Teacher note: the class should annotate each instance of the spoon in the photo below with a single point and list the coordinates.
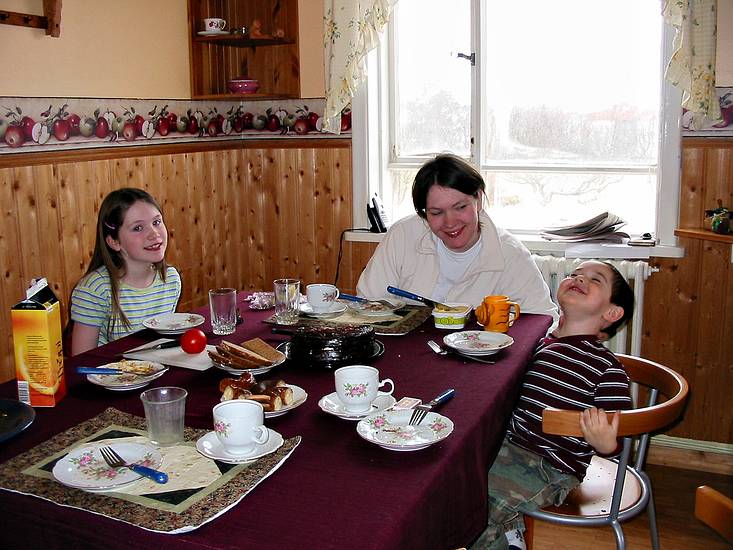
(441, 351)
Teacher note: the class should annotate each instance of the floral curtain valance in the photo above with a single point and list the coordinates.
(692, 66)
(351, 30)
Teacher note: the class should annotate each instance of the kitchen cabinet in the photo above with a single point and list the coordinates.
(270, 57)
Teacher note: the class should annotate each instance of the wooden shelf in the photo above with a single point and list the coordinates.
(704, 234)
(244, 97)
(50, 21)
(244, 41)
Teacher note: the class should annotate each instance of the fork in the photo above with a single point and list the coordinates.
(442, 351)
(116, 461)
(419, 412)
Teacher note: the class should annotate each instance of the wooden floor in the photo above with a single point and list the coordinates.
(674, 494)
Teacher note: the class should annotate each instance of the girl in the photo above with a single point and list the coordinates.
(127, 280)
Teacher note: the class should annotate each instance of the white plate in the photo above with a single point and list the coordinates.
(391, 430)
(334, 310)
(332, 405)
(126, 382)
(212, 33)
(253, 371)
(210, 446)
(478, 342)
(376, 309)
(84, 467)
(299, 397)
(173, 323)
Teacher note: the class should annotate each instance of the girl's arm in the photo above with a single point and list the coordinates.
(83, 338)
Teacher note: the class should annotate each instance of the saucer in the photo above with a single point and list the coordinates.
(212, 33)
(127, 381)
(84, 468)
(210, 446)
(334, 310)
(391, 430)
(478, 342)
(332, 405)
(376, 309)
(173, 323)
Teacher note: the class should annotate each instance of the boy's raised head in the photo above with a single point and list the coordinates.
(595, 298)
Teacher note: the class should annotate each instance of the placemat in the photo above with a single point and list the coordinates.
(177, 511)
(398, 324)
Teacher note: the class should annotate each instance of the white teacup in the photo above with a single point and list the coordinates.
(238, 425)
(215, 24)
(322, 296)
(357, 386)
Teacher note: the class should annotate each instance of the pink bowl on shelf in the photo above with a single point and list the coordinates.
(243, 85)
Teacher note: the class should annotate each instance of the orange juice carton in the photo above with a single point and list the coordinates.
(39, 358)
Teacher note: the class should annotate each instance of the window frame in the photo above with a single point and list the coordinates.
(370, 153)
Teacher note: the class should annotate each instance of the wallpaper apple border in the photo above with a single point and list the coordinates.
(47, 124)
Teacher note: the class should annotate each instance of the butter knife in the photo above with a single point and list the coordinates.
(161, 345)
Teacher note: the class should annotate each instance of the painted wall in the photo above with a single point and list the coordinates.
(724, 70)
(134, 48)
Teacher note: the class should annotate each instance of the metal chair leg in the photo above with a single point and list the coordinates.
(652, 513)
(619, 534)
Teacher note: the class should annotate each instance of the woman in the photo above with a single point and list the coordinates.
(128, 279)
(451, 251)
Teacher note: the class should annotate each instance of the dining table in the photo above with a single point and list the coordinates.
(336, 489)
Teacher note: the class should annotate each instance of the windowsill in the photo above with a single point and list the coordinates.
(540, 245)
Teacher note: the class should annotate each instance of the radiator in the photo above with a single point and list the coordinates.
(554, 269)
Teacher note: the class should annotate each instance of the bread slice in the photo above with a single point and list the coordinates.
(260, 347)
(244, 353)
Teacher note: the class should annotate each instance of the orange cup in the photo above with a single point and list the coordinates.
(495, 311)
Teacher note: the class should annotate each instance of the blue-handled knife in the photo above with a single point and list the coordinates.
(405, 294)
(441, 398)
(94, 370)
(351, 298)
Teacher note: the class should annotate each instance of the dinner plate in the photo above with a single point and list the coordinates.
(334, 310)
(391, 430)
(212, 33)
(332, 405)
(376, 309)
(376, 351)
(84, 467)
(299, 397)
(210, 446)
(128, 381)
(15, 416)
(253, 371)
(478, 342)
(173, 323)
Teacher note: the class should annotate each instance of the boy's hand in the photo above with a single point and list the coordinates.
(598, 431)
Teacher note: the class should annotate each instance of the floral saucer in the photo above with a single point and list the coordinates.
(391, 430)
(334, 310)
(332, 405)
(478, 342)
(210, 446)
(85, 468)
(170, 324)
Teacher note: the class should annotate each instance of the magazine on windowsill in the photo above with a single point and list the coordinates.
(602, 228)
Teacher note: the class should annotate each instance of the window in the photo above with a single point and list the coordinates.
(565, 111)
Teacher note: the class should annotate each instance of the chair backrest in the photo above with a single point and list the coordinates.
(658, 378)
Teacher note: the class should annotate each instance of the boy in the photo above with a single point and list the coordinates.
(569, 370)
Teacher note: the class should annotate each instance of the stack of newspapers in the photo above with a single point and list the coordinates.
(604, 228)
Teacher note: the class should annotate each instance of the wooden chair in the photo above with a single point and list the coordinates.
(614, 491)
(715, 510)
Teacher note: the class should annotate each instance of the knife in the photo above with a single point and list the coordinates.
(162, 345)
(351, 298)
(96, 370)
(439, 399)
(416, 297)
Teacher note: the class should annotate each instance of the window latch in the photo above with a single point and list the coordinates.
(471, 57)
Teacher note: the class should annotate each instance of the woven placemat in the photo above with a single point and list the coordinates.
(175, 512)
(400, 323)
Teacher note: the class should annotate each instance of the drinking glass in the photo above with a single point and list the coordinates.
(223, 306)
(165, 410)
(287, 301)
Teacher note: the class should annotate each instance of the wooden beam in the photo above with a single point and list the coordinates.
(52, 11)
(50, 21)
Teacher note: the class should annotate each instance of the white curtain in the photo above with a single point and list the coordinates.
(351, 30)
(692, 66)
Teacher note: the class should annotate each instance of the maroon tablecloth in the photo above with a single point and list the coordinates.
(337, 490)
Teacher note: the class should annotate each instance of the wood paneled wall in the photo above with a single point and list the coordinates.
(238, 215)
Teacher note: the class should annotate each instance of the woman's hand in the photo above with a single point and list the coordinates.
(598, 431)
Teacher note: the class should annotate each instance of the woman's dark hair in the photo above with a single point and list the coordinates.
(621, 296)
(111, 216)
(448, 171)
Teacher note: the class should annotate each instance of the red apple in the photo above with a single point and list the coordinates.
(273, 123)
(193, 125)
(345, 121)
(102, 128)
(301, 126)
(212, 128)
(61, 129)
(172, 121)
(164, 126)
(238, 123)
(26, 124)
(312, 119)
(129, 131)
(15, 136)
(248, 118)
(138, 121)
(74, 121)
